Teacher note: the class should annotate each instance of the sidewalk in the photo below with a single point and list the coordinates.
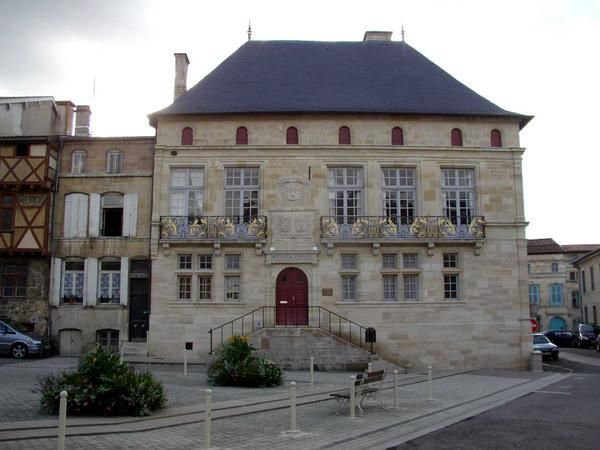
(260, 418)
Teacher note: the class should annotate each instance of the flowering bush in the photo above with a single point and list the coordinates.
(102, 385)
(236, 365)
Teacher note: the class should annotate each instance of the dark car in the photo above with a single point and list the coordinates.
(15, 342)
(562, 338)
(542, 344)
(584, 336)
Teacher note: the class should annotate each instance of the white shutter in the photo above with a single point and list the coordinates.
(56, 281)
(94, 215)
(90, 293)
(124, 280)
(69, 206)
(82, 215)
(130, 215)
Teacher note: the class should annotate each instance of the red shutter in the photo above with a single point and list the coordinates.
(241, 136)
(187, 136)
(291, 136)
(496, 138)
(397, 136)
(344, 136)
(456, 138)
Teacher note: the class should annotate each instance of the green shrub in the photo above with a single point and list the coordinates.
(236, 365)
(102, 385)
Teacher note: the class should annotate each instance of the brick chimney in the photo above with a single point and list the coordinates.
(82, 120)
(378, 36)
(181, 66)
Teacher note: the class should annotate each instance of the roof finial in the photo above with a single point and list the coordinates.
(249, 30)
(402, 32)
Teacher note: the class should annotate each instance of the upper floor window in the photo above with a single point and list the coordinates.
(458, 194)
(456, 139)
(554, 267)
(534, 294)
(78, 161)
(187, 136)
(556, 294)
(450, 260)
(241, 136)
(344, 136)
(592, 280)
(495, 138)
(399, 194)
(7, 211)
(111, 215)
(76, 215)
(22, 150)
(349, 261)
(186, 191)
(291, 135)
(583, 282)
(114, 161)
(397, 136)
(14, 280)
(241, 192)
(345, 193)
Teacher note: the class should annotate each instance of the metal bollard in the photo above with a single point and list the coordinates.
(395, 389)
(352, 394)
(312, 372)
(429, 388)
(293, 428)
(207, 417)
(370, 367)
(121, 353)
(62, 420)
(185, 352)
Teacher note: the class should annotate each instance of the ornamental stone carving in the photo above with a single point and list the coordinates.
(292, 190)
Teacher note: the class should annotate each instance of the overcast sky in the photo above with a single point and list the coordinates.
(536, 57)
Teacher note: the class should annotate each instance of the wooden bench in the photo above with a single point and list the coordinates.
(366, 387)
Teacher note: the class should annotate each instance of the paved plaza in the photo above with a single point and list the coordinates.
(256, 418)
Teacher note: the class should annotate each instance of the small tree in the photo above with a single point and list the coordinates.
(236, 365)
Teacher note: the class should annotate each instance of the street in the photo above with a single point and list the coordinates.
(561, 416)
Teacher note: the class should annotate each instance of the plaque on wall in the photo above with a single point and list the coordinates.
(327, 292)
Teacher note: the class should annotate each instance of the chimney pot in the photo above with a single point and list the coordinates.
(378, 36)
(181, 67)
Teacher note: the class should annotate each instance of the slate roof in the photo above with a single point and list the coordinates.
(332, 77)
(542, 246)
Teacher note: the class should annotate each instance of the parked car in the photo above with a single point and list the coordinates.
(562, 338)
(584, 336)
(542, 343)
(18, 343)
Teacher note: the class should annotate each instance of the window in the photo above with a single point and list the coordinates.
(72, 287)
(451, 287)
(349, 288)
(184, 287)
(78, 161)
(114, 161)
(390, 261)
(572, 276)
(458, 194)
(205, 262)
(112, 215)
(554, 267)
(411, 287)
(450, 260)
(495, 138)
(241, 136)
(76, 215)
(186, 192)
(109, 282)
(184, 262)
(556, 294)
(291, 135)
(349, 261)
(204, 288)
(232, 262)
(592, 280)
(399, 194)
(187, 136)
(7, 204)
(456, 138)
(232, 287)
(583, 281)
(108, 339)
(345, 193)
(22, 150)
(397, 136)
(534, 294)
(14, 280)
(575, 299)
(390, 287)
(344, 136)
(241, 193)
(409, 261)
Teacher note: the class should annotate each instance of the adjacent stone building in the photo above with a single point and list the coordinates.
(589, 270)
(306, 183)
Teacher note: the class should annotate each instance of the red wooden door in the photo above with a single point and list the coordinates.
(291, 297)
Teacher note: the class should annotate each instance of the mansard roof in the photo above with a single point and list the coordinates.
(381, 77)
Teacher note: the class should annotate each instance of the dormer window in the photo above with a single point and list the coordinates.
(291, 136)
(456, 138)
(397, 136)
(187, 136)
(241, 136)
(344, 136)
(495, 138)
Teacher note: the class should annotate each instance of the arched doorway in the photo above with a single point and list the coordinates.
(291, 298)
(557, 323)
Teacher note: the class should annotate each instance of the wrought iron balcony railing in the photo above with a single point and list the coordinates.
(213, 228)
(393, 228)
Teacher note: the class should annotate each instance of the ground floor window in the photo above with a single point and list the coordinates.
(108, 339)
(349, 288)
(390, 283)
(411, 287)
(109, 286)
(232, 287)
(184, 287)
(73, 277)
(204, 288)
(451, 287)
(14, 280)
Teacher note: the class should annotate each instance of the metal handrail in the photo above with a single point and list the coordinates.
(290, 317)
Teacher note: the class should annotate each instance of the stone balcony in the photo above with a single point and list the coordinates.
(213, 228)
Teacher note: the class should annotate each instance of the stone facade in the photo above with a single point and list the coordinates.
(589, 270)
(101, 242)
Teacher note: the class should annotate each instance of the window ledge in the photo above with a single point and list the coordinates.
(204, 304)
(401, 303)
